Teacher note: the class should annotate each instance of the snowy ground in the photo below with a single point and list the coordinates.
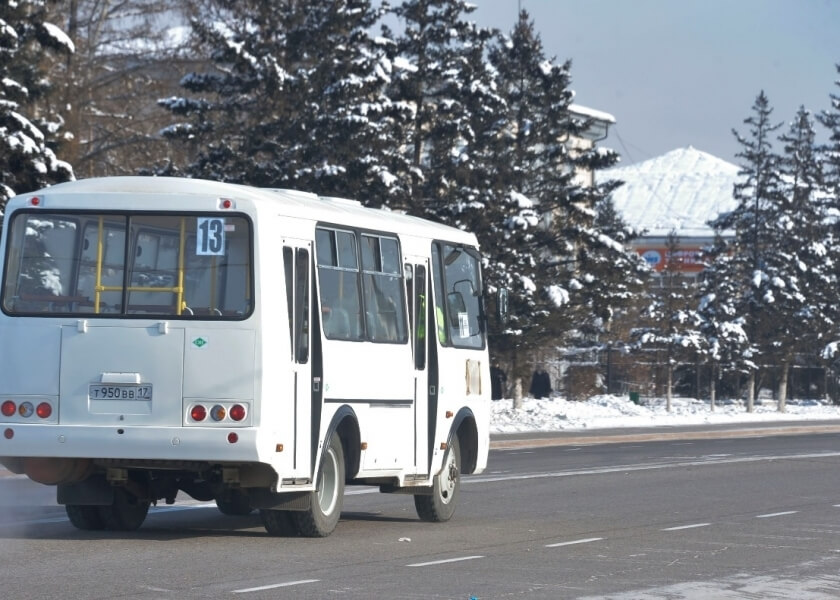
(599, 412)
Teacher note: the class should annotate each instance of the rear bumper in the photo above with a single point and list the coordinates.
(143, 443)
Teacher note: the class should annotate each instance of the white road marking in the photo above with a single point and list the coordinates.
(275, 585)
(778, 514)
(686, 527)
(573, 542)
(440, 562)
(647, 467)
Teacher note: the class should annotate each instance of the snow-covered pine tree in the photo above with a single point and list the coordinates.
(671, 324)
(532, 174)
(617, 275)
(294, 100)
(561, 268)
(829, 154)
(451, 143)
(756, 193)
(800, 289)
(724, 341)
(29, 132)
(446, 82)
(830, 151)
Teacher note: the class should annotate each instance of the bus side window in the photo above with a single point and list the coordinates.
(338, 276)
(420, 293)
(302, 306)
(296, 268)
(383, 289)
(289, 272)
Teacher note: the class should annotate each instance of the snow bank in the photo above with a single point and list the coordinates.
(600, 412)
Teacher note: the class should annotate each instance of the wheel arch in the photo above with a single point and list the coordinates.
(464, 426)
(345, 424)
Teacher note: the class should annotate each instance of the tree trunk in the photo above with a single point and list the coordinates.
(668, 388)
(751, 391)
(517, 393)
(697, 375)
(783, 384)
(712, 386)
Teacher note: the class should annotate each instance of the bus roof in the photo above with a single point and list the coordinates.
(289, 203)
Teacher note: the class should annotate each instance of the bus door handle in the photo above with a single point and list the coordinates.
(316, 384)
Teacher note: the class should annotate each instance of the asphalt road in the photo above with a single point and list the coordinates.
(750, 517)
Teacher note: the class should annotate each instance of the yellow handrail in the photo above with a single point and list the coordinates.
(99, 288)
(213, 282)
(181, 305)
(99, 251)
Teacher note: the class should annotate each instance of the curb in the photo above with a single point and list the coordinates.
(575, 439)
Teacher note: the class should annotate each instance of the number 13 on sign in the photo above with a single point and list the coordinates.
(210, 238)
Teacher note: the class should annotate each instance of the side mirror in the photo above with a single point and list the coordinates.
(502, 306)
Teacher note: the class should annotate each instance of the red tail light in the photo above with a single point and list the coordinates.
(198, 413)
(9, 433)
(8, 408)
(44, 410)
(233, 437)
(237, 412)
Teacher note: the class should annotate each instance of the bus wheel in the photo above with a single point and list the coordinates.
(278, 522)
(235, 504)
(439, 506)
(326, 501)
(127, 513)
(84, 517)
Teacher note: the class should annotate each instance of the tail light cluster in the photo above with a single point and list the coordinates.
(26, 410)
(220, 412)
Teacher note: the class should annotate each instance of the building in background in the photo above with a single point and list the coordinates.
(599, 125)
(678, 192)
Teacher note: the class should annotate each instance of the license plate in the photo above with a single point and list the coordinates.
(120, 391)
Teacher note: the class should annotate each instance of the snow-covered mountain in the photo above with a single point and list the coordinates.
(680, 190)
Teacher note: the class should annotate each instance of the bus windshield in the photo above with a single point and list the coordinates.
(116, 264)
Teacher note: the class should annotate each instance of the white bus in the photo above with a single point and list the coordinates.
(260, 348)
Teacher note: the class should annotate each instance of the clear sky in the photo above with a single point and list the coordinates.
(676, 73)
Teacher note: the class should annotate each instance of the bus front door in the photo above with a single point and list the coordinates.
(417, 269)
(297, 267)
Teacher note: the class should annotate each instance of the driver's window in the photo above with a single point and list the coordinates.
(462, 284)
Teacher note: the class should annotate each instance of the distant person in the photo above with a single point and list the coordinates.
(498, 381)
(540, 384)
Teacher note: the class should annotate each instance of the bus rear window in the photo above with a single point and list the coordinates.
(172, 265)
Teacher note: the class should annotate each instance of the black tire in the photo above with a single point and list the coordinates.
(439, 506)
(83, 517)
(127, 513)
(326, 501)
(279, 522)
(235, 504)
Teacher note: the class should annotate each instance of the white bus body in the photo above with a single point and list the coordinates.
(256, 347)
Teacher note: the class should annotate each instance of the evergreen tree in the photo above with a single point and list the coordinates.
(724, 341)
(672, 324)
(830, 151)
(294, 101)
(449, 91)
(829, 154)
(757, 195)
(29, 132)
(800, 265)
(565, 273)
